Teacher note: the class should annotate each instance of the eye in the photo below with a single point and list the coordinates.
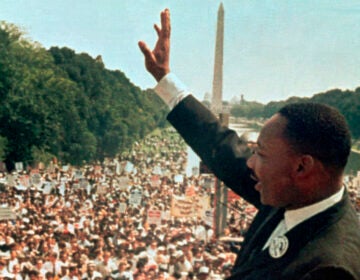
(253, 147)
(257, 151)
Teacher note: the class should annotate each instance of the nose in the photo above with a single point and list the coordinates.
(250, 162)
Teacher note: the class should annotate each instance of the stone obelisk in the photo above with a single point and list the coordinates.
(216, 102)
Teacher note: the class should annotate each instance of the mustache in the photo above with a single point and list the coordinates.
(253, 175)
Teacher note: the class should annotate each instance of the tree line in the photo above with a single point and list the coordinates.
(346, 101)
(57, 103)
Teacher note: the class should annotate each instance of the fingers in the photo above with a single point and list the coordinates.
(165, 22)
(157, 28)
(145, 50)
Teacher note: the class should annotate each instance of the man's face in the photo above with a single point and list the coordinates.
(90, 268)
(73, 271)
(39, 264)
(274, 165)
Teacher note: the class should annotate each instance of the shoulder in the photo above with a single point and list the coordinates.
(331, 245)
(329, 273)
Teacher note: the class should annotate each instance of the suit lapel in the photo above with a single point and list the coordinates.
(258, 234)
(298, 237)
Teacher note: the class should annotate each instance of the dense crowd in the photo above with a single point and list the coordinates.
(84, 223)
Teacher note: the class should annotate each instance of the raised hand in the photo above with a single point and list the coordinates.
(157, 61)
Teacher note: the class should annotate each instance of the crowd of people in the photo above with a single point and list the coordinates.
(62, 222)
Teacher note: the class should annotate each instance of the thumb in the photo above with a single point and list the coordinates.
(145, 50)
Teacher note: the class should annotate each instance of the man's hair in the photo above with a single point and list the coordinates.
(318, 130)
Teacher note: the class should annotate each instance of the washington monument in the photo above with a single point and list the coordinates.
(216, 102)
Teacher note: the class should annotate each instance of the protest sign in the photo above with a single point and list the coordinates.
(129, 167)
(209, 217)
(189, 207)
(24, 180)
(195, 171)
(231, 196)
(155, 181)
(178, 178)
(11, 180)
(6, 213)
(157, 170)
(208, 183)
(166, 215)
(19, 166)
(83, 183)
(47, 188)
(181, 207)
(135, 197)
(65, 168)
(123, 182)
(154, 217)
(122, 207)
(36, 180)
(201, 204)
(75, 186)
(78, 174)
(62, 189)
(102, 188)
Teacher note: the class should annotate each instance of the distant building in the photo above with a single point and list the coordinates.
(207, 97)
(242, 100)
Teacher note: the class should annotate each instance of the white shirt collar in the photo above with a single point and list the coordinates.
(295, 217)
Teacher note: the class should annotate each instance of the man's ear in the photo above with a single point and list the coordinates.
(305, 165)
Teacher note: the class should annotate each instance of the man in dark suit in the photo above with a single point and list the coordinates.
(306, 227)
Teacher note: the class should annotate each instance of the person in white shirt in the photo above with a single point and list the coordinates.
(107, 265)
(40, 268)
(73, 273)
(13, 261)
(52, 264)
(17, 272)
(91, 273)
(3, 270)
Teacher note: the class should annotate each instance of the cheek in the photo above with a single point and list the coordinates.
(278, 170)
(262, 169)
(257, 164)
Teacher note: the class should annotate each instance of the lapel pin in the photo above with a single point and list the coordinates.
(278, 247)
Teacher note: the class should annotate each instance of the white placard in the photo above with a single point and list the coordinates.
(135, 197)
(19, 166)
(122, 207)
(154, 217)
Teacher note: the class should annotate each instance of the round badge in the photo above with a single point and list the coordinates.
(278, 247)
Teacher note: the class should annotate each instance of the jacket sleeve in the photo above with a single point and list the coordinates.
(219, 147)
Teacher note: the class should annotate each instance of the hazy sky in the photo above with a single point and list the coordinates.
(272, 49)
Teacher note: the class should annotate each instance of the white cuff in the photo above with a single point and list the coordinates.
(171, 90)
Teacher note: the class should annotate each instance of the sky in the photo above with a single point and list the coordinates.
(272, 49)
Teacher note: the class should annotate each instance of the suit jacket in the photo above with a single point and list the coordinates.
(326, 246)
